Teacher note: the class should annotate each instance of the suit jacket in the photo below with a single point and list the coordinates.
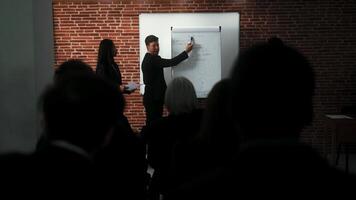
(153, 76)
(62, 162)
(162, 137)
(110, 72)
(61, 170)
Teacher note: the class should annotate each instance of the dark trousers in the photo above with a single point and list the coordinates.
(153, 109)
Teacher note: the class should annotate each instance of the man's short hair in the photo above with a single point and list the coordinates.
(81, 110)
(151, 38)
(71, 68)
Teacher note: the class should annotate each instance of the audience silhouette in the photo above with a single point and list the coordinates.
(245, 142)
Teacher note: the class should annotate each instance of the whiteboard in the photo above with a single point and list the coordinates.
(203, 67)
(160, 24)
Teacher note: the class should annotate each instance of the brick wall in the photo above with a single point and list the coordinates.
(323, 30)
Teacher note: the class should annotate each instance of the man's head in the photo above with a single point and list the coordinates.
(152, 44)
(72, 68)
(273, 85)
(81, 110)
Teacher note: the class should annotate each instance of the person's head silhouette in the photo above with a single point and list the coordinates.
(217, 127)
(273, 85)
(70, 68)
(107, 52)
(180, 97)
(81, 110)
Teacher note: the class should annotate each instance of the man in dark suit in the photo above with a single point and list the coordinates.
(153, 77)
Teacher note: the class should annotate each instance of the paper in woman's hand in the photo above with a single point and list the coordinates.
(132, 86)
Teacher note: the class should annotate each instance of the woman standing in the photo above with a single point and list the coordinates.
(122, 160)
(107, 67)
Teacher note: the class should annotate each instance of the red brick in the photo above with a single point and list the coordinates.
(324, 31)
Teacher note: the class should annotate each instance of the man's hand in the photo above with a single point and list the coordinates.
(189, 47)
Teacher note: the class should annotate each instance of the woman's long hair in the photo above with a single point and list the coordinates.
(106, 52)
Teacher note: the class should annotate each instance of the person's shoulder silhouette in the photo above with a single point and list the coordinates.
(79, 110)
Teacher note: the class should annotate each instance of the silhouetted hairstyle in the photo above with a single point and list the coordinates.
(151, 38)
(273, 85)
(180, 96)
(106, 52)
(72, 68)
(81, 110)
(217, 130)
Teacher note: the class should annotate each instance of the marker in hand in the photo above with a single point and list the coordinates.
(189, 46)
(192, 40)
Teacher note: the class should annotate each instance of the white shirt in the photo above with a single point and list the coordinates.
(71, 147)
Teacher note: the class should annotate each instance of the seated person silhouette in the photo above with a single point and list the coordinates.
(79, 113)
(272, 101)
